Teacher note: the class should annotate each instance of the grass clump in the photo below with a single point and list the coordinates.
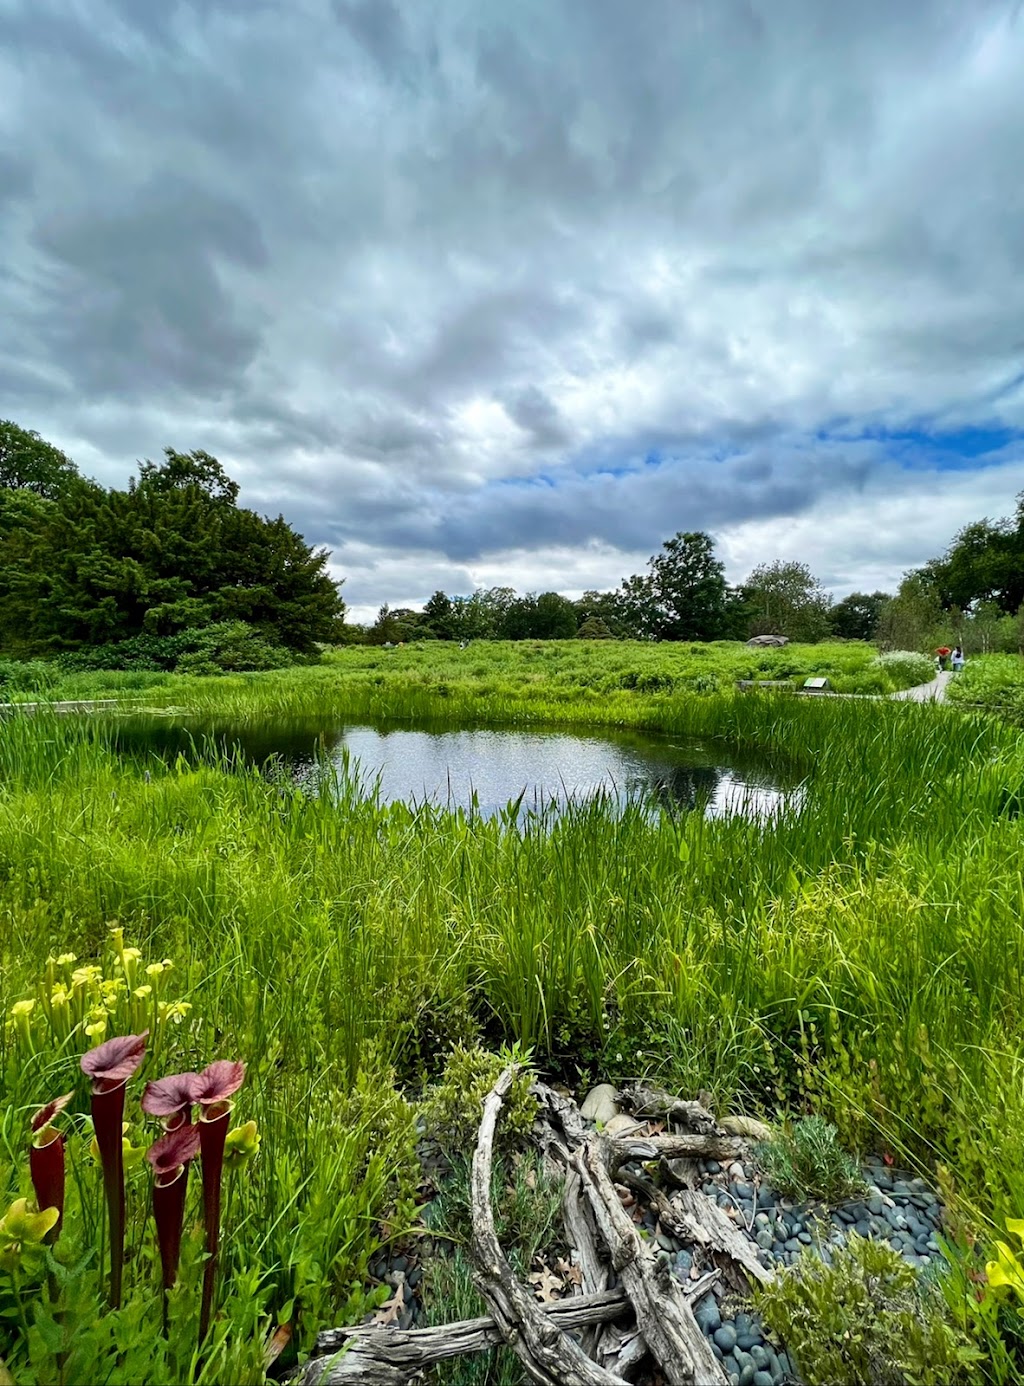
(865, 1319)
(527, 1207)
(806, 1160)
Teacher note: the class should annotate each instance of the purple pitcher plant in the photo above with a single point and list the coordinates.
(170, 1157)
(110, 1065)
(46, 1161)
(172, 1099)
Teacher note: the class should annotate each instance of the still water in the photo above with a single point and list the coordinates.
(487, 769)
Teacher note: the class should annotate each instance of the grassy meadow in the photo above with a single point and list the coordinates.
(861, 956)
(490, 680)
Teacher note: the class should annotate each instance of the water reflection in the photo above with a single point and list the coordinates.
(487, 769)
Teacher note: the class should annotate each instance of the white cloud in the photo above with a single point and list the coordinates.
(393, 261)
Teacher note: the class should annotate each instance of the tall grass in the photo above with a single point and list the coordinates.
(861, 955)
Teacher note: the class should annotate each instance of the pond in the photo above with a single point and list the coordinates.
(486, 769)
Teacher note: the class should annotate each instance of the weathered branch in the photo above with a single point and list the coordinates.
(708, 1147)
(549, 1356)
(378, 1355)
(663, 1314)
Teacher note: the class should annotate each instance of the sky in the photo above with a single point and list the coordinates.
(481, 293)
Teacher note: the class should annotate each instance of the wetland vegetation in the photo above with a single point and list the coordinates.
(860, 956)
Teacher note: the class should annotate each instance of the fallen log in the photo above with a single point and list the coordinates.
(549, 1356)
(663, 1315)
(382, 1355)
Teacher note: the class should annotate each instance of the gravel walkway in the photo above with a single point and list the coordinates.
(934, 692)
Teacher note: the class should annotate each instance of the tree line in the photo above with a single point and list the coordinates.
(683, 595)
(170, 572)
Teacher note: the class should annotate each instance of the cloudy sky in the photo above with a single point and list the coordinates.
(482, 292)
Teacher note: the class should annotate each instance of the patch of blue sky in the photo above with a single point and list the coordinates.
(967, 448)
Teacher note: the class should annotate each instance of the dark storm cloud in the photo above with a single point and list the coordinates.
(461, 278)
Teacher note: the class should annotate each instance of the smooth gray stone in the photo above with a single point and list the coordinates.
(764, 1239)
(762, 1379)
(749, 1339)
(708, 1315)
(725, 1337)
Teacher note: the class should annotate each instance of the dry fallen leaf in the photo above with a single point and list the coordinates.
(276, 1344)
(547, 1286)
(571, 1274)
(391, 1309)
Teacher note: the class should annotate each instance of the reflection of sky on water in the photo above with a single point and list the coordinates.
(491, 768)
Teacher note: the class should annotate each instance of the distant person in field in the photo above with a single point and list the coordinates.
(957, 660)
(943, 653)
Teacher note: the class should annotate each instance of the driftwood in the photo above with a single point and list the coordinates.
(379, 1356)
(629, 1308)
(549, 1355)
(648, 1102)
(663, 1314)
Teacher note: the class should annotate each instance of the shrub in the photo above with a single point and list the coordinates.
(454, 1106)
(224, 647)
(27, 676)
(866, 1317)
(905, 667)
(807, 1161)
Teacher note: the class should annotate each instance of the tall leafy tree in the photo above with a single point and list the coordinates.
(787, 599)
(439, 617)
(856, 616)
(683, 596)
(30, 463)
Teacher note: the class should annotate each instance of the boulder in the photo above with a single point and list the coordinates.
(749, 1127)
(771, 640)
(600, 1104)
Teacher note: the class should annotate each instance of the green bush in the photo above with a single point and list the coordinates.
(807, 1161)
(27, 676)
(905, 667)
(224, 647)
(454, 1106)
(865, 1318)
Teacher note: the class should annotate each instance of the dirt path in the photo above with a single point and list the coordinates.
(934, 692)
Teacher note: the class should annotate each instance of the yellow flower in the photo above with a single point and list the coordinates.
(98, 1029)
(86, 976)
(60, 996)
(1005, 1272)
(22, 1230)
(174, 1010)
(154, 969)
(143, 993)
(132, 954)
(241, 1144)
(21, 1008)
(19, 1224)
(66, 959)
(131, 1155)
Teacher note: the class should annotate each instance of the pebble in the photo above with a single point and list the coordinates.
(707, 1315)
(725, 1337)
